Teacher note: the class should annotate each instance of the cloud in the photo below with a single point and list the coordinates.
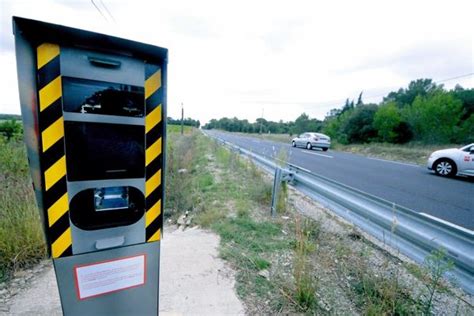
(282, 34)
(438, 60)
(193, 26)
(235, 58)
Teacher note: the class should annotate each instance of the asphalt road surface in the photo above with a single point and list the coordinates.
(408, 185)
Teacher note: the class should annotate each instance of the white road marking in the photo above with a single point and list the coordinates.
(307, 152)
(396, 162)
(448, 223)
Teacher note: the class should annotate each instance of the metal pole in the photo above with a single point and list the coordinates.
(276, 190)
(182, 118)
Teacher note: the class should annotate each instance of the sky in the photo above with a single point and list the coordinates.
(272, 58)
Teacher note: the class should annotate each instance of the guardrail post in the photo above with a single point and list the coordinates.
(276, 190)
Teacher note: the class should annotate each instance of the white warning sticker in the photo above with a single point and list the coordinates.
(110, 276)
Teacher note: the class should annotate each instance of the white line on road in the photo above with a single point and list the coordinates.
(396, 162)
(307, 152)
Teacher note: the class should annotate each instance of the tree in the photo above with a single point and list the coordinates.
(419, 87)
(467, 98)
(466, 131)
(359, 125)
(359, 100)
(390, 126)
(434, 119)
(301, 124)
(386, 120)
(347, 106)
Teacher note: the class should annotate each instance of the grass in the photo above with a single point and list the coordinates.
(21, 237)
(292, 264)
(289, 264)
(177, 129)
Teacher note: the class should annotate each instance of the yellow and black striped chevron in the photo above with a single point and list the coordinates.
(52, 155)
(154, 152)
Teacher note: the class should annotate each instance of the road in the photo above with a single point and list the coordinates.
(408, 185)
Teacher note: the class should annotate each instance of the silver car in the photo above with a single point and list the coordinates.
(312, 140)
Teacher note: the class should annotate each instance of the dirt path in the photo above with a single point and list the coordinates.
(194, 281)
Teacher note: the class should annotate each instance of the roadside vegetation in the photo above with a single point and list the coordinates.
(21, 235)
(304, 260)
(424, 113)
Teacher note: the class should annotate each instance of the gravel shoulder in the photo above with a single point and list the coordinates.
(194, 281)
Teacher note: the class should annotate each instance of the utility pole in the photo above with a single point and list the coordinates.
(261, 122)
(182, 118)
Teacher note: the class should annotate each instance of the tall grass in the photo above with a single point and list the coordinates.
(305, 283)
(21, 236)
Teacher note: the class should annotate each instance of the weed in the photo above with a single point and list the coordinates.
(381, 295)
(436, 264)
(282, 157)
(204, 181)
(242, 207)
(260, 263)
(304, 281)
(260, 192)
(209, 217)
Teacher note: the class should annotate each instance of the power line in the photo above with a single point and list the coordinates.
(93, 3)
(438, 81)
(337, 102)
(458, 77)
(107, 10)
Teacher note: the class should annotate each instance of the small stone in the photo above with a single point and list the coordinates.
(264, 274)
(3, 291)
(20, 274)
(182, 171)
(182, 220)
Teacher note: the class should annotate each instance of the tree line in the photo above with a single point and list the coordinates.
(424, 111)
(186, 122)
(11, 127)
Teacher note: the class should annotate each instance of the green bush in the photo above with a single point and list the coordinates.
(10, 129)
(434, 119)
(386, 120)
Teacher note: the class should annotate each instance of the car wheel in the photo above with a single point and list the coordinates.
(445, 168)
(293, 144)
(325, 149)
(308, 146)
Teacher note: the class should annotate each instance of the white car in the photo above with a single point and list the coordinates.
(449, 162)
(311, 140)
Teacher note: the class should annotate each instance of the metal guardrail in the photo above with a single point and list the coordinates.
(414, 234)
